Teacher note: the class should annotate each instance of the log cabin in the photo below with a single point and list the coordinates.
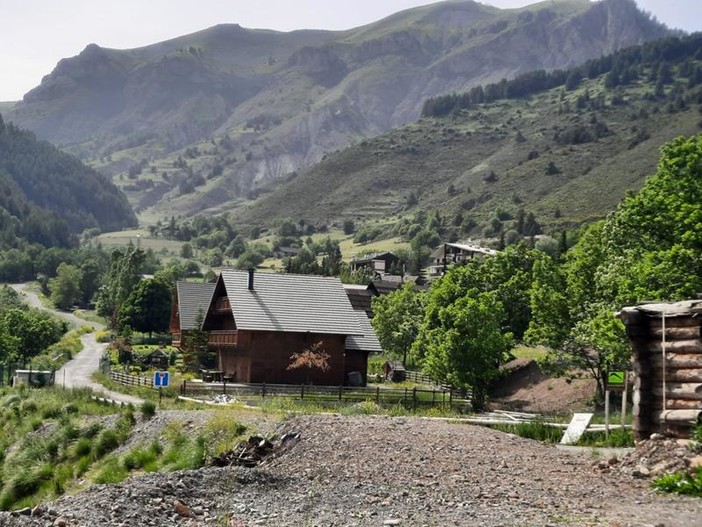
(666, 341)
(256, 321)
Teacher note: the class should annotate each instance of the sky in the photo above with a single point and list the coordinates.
(36, 34)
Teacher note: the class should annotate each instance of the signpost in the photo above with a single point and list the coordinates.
(160, 381)
(617, 381)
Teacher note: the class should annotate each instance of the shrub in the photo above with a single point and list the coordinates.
(140, 459)
(107, 442)
(148, 409)
(82, 447)
(681, 483)
(103, 336)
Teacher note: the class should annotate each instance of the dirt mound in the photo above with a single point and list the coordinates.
(524, 387)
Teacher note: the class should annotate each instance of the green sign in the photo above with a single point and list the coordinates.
(616, 381)
(615, 377)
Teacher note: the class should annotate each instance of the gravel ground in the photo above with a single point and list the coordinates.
(375, 471)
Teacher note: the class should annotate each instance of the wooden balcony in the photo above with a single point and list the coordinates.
(175, 339)
(222, 305)
(222, 338)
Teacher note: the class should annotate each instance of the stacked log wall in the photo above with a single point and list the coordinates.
(681, 368)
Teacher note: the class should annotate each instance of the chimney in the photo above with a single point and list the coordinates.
(251, 277)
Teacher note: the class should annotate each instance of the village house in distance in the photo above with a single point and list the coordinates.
(255, 322)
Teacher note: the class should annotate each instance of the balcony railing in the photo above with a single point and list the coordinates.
(222, 338)
(175, 340)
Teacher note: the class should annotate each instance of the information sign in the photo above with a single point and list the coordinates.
(161, 379)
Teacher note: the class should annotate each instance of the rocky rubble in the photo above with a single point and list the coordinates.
(375, 471)
(655, 457)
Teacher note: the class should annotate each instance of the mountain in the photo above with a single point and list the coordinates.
(200, 123)
(567, 153)
(47, 196)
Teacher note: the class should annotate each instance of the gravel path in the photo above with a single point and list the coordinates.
(376, 471)
(78, 371)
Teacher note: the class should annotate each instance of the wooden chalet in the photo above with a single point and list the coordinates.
(450, 253)
(377, 262)
(256, 321)
(361, 297)
(189, 306)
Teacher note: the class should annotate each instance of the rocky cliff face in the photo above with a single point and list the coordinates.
(274, 103)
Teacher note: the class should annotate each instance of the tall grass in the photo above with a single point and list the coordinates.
(49, 438)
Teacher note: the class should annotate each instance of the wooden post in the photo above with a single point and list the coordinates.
(377, 395)
(606, 414)
(624, 396)
(302, 391)
(341, 391)
(414, 398)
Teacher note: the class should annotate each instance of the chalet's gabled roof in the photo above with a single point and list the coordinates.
(290, 303)
(193, 297)
(373, 256)
(368, 341)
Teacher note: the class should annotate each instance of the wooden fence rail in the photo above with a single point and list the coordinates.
(408, 397)
(131, 380)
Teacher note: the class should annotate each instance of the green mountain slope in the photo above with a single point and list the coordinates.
(202, 122)
(566, 155)
(46, 196)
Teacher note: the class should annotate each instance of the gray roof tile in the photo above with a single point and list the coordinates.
(290, 303)
(193, 297)
(367, 342)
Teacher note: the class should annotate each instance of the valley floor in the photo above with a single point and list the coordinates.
(374, 471)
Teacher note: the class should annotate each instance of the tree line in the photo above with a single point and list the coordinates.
(48, 197)
(623, 67)
(650, 248)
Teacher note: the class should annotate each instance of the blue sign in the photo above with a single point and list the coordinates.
(160, 379)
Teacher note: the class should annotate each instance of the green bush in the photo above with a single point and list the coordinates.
(24, 483)
(141, 459)
(148, 409)
(82, 447)
(681, 483)
(106, 442)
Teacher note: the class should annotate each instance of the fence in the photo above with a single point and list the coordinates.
(420, 378)
(131, 380)
(409, 397)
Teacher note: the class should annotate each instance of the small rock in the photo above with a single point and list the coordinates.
(22, 512)
(657, 437)
(182, 509)
(37, 511)
(392, 521)
(641, 472)
(695, 462)
(612, 461)
(60, 522)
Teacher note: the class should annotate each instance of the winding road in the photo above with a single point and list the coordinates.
(78, 372)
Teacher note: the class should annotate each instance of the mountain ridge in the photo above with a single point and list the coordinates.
(236, 109)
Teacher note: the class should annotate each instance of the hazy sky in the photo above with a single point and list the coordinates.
(36, 34)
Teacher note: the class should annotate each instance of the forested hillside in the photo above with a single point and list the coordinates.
(564, 145)
(47, 197)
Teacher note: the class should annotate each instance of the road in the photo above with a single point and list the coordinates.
(78, 372)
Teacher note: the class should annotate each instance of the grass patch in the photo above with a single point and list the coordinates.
(680, 483)
(618, 438)
(533, 430)
(527, 352)
(51, 437)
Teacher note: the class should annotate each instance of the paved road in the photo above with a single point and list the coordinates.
(78, 371)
